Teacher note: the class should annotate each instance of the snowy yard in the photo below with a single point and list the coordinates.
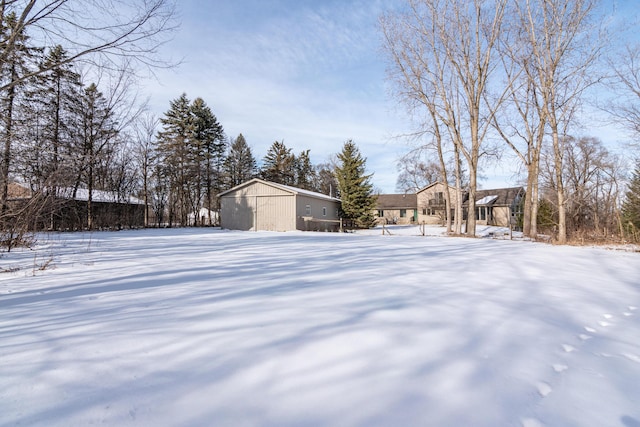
(201, 327)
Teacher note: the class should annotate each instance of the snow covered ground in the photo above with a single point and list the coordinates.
(202, 327)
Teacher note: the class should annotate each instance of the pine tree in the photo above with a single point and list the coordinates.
(279, 165)
(240, 165)
(355, 187)
(306, 177)
(631, 205)
(210, 144)
(97, 135)
(53, 113)
(177, 154)
(17, 63)
(326, 180)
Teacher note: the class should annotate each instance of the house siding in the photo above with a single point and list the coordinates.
(501, 216)
(315, 220)
(394, 216)
(428, 201)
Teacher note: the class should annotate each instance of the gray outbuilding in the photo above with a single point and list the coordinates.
(263, 205)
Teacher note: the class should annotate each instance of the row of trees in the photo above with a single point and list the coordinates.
(190, 160)
(71, 124)
(65, 97)
(476, 73)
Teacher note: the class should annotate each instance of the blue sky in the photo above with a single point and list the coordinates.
(306, 72)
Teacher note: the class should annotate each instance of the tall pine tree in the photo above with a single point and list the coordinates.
(306, 177)
(97, 134)
(178, 156)
(210, 145)
(53, 112)
(631, 206)
(279, 165)
(17, 63)
(240, 165)
(355, 186)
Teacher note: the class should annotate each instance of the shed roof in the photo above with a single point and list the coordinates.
(21, 190)
(287, 188)
(397, 201)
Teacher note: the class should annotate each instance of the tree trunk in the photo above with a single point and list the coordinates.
(6, 157)
(458, 208)
(558, 165)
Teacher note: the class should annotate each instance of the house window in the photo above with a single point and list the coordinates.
(307, 210)
(424, 211)
(403, 213)
(324, 211)
(481, 213)
(440, 198)
(380, 213)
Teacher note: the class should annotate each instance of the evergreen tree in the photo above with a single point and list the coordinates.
(279, 165)
(306, 177)
(355, 187)
(53, 112)
(191, 148)
(326, 180)
(240, 165)
(210, 144)
(97, 137)
(17, 63)
(631, 205)
(176, 152)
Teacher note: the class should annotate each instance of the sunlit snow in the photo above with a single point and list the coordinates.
(202, 327)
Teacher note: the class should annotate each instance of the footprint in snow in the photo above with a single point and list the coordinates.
(568, 348)
(558, 367)
(588, 329)
(584, 337)
(604, 323)
(531, 422)
(543, 389)
(632, 308)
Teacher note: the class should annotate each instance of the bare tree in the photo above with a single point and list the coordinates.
(592, 177)
(445, 50)
(416, 171)
(626, 83)
(522, 122)
(562, 48)
(145, 130)
(91, 30)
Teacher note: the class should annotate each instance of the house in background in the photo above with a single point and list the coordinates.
(269, 206)
(396, 209)
(431, 203)
(499, 207)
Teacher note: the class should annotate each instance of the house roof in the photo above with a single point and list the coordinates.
(496, 197)
(426, 187)
(397, 201)
(287, 188)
